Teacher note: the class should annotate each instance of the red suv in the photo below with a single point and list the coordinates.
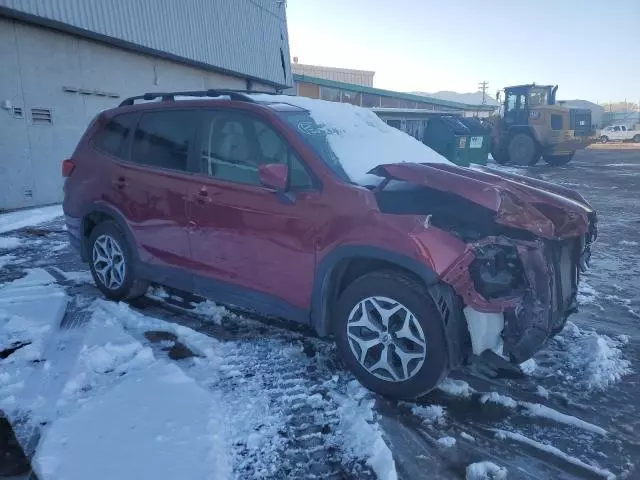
(321, 213)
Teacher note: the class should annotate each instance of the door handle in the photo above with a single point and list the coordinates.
(119, 183)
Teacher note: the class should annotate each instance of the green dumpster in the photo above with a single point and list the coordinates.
(458, 139)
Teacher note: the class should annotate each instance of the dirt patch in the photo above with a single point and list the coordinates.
(614, 146)
(168, 342)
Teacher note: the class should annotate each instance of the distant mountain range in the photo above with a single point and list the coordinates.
(468, 98)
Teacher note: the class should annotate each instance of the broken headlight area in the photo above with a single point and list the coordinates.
(497, 271)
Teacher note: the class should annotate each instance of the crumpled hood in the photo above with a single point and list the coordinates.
(542, 208)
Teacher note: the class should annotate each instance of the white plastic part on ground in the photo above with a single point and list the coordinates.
(358, 137)
(25, 218)
(485, 330)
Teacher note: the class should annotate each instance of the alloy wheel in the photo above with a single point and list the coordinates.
(386, 339)
(108, 262)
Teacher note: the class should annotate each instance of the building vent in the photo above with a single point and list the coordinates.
(41, 115)
(17, 112)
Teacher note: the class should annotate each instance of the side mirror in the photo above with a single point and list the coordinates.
(274, 175)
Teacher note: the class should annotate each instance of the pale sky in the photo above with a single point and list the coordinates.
(590, 48)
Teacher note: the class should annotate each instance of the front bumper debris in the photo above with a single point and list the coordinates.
(538, 311)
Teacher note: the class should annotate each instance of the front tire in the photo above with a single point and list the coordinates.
(390, 334)
(112, 263)
(557, 160)
(523, 150)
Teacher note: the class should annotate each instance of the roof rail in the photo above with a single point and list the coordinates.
(238, 95)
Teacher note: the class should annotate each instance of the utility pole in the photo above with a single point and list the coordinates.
(484, 86)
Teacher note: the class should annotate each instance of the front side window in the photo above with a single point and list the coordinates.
(235, 145)
(616, 129)
(163, 139)
(511, 101)
(112, 138)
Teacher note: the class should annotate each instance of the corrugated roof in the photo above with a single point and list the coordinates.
(388, 93)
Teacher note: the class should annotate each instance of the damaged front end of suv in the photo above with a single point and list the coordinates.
(523, 246)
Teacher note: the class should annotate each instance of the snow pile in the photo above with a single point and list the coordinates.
(7, 243)
(498, 399)
(6, 260)
(542, 392)
(537, 410)
(157, 423)
(359, 432)
(429, 413)
(212, 312)
(456, 388)
(358, 137)
(594, 361)
(24, 218)
(587, 294)
(486, 471)
(447, 442)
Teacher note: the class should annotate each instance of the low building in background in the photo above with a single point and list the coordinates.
(405, 111)
(346, 75)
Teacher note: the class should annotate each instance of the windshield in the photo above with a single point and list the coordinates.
(538, 96)
(352, 140)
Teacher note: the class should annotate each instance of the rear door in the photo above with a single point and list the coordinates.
(244, 234)
(150, 186)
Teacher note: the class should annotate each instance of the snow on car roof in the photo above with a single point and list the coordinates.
(358, 137)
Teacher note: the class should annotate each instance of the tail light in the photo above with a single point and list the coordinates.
(67, 167)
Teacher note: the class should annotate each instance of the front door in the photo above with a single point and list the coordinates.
(247, 242)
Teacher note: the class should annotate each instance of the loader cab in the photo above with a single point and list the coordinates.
(521, 102)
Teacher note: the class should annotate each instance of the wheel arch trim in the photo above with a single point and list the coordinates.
(326, 269)
(118, 217)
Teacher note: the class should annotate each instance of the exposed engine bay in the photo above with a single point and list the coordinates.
(518, 285)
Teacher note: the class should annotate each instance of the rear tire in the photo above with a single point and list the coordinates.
(636, 138)
(604, 139)
(557, 160)
(414, 333)
(523, 150)
(112, 263)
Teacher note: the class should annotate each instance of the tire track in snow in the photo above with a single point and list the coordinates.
(293, 375)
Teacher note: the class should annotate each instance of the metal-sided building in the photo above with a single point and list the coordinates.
(63, 61)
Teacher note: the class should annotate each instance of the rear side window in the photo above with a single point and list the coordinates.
(556, 122)
(163, 139)
(112, 138)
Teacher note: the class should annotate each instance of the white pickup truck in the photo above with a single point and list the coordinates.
(619, 132)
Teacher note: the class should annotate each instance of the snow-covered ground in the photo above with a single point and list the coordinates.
(25, 218)
(96, 389)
